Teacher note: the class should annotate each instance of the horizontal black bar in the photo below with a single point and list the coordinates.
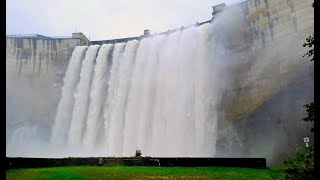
(14, 163)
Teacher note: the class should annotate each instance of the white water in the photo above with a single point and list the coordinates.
(115, 120)
(97, 96)
(61, 124)
(112, 99)
(156, 97)
(82, 97)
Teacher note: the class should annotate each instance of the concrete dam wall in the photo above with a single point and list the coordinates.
(265, 83)
(35, 67)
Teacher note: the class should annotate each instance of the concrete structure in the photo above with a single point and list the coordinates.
(263, 78)
(84, 41)
(217, 9)
(38, 48)
(270, 81)
(35, 67)
(15, 163)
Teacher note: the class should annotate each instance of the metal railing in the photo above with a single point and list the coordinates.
(37, 36)
(237, 2)
(61, 37)
(26, 35)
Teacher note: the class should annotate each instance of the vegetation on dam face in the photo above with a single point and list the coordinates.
(144, 172)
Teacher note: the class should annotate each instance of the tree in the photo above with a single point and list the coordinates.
(309, 107)
(310, 44)
(302, 164)
(310, 113)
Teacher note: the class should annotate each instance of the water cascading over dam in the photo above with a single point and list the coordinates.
(234, 86)
(156, 95)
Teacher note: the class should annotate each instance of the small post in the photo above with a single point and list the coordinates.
(100, 161)
(306, 141)
(138, 153)
(146, 32)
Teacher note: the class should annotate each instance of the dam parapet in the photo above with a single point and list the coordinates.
(145, 35)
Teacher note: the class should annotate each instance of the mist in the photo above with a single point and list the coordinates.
(214, 90)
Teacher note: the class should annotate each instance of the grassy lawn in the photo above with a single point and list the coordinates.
(143, 172)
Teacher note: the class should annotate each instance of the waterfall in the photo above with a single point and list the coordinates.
(116, 121)
(81, 96)
(65, 107)
(111, 100)
(140, 106)
(155, 95)
(97, 95)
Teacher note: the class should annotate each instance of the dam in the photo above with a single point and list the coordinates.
(227, 87)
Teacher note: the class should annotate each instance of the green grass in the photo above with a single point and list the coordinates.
(143, 172)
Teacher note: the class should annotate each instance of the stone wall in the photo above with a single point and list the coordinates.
(35, 68)
(276, 51)
(261, 112)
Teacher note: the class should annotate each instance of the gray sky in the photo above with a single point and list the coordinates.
(104, 19)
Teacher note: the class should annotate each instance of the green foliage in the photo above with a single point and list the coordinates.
(143, 172)
(310, 44)
(302, 164)
(310, 113)
(310, 107)
(277, 173)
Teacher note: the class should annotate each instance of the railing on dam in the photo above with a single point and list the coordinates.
(61, 37)
(114, 41)
(26, 36)
(37, 36)
(237, 2)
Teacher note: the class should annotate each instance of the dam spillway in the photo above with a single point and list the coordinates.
(158, 97)
(238, 83)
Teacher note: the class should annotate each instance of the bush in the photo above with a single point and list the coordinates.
(302, 164)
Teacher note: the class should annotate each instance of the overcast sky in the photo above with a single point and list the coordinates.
(104, 19)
